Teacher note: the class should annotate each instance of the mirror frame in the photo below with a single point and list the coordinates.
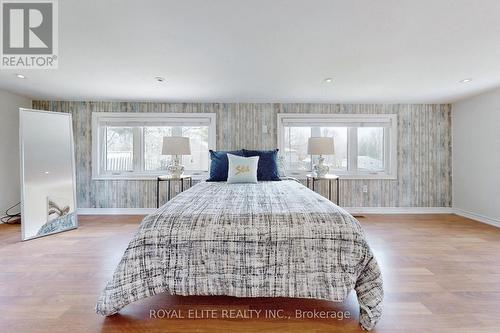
(73, 169)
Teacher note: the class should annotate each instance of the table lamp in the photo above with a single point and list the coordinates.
(176, 146)
(320, 146)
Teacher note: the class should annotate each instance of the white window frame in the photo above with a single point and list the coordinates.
(351, 121)
(101, 119)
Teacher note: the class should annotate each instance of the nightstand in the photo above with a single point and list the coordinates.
(169, 179)
(313, 179)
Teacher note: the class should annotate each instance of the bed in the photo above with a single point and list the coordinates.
(270, 239)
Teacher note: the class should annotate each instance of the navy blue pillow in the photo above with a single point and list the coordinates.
(219, 164)
(267, 169)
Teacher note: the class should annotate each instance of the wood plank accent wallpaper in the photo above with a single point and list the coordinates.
(424, 150)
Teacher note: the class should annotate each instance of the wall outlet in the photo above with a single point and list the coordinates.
(265, 129)
(364, 188)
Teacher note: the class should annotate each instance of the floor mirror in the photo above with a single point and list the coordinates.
(48, 195)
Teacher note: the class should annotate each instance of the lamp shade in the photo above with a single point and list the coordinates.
(176, 145)
(320, 146)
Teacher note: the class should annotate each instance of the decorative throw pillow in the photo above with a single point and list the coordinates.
(219, 164)
(242, 169)
(268, 164)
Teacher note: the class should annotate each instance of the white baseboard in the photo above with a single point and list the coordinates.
(115, 211)
(399, 210)
(352, 210)
(477, 217)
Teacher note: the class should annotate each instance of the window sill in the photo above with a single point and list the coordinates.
(195, 176)
(302, 175)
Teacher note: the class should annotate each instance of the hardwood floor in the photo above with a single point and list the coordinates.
(441, 274)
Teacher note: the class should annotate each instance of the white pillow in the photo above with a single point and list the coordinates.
(242, 169)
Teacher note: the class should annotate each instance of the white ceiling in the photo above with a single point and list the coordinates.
(383, 51)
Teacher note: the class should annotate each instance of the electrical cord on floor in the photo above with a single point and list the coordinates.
(11, 218)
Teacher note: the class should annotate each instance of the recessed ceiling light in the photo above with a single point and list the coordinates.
(465, 80)
(328, 80)
(159, 78)
(47, 172)
(20, 76)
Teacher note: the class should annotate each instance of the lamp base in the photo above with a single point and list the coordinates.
(175, 170)
(320, 169)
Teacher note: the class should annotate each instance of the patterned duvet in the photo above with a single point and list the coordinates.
(271, 239)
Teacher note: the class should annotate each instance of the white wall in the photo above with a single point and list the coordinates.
(476, 157)
(9, 148)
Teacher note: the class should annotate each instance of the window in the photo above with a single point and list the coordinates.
(153, 141)
(119, 148)
(365, 145)
(128, 145)
(371, 149)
